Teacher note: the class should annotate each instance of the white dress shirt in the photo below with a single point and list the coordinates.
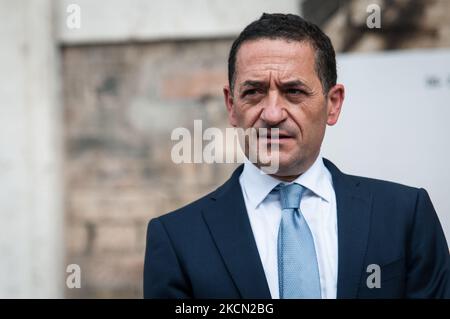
(318, 206)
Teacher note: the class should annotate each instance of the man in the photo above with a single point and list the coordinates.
(308, 230)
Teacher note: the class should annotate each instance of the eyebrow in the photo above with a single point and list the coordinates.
(251, 83)
(258, 84)
(295, 83)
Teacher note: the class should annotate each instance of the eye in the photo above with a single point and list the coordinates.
(294, 91)
(250, 92)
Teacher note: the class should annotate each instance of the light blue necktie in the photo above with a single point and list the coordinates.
(298, 272)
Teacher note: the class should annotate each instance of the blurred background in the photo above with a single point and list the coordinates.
(92, 89)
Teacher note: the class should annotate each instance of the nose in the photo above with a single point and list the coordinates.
(273, 113)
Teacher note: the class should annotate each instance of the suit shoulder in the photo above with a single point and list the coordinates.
(377, 186)
(389, 188)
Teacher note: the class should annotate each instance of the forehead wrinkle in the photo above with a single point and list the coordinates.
(260, 71)
(278, 74)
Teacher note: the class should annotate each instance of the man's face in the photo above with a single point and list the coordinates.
(276, 86)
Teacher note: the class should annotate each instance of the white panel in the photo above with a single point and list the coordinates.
(394, 123)
(120, 20)
(30, 189)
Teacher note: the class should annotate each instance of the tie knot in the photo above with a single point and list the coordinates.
(291, 195)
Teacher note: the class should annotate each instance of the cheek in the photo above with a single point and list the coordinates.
(316, 111)
(316, 131)
(310, 120)
(247, 116)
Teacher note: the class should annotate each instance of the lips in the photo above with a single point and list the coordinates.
(281, 135)
(269, 139)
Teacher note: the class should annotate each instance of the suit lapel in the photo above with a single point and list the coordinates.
(353, 218)
(230, 228)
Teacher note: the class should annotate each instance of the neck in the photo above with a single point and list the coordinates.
(286, 178)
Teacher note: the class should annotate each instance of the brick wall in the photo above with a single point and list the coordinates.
(121, 104)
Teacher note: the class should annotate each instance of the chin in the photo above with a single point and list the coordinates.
(289, 165)
(280, 163)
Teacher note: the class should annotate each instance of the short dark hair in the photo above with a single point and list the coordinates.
(289, 27)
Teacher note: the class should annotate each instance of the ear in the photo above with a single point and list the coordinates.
(229, 102)
(335, 99)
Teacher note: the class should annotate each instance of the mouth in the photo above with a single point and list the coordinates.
(275, 138)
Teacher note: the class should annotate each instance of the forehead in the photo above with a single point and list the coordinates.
(279, 57)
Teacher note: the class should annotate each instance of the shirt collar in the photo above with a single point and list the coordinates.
(317, 179)
(257, 185)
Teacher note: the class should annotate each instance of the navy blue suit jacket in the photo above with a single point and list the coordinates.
(207, 249)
